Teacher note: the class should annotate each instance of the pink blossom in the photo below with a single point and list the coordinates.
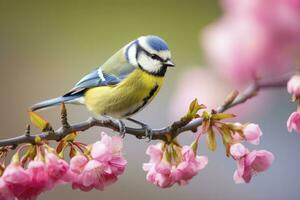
(77, 163)
(238, 150)
(294, 122)
(5, 194)
(155, 153)
(57, 169)
(90, 177)
(38, 181)
(252, 133)
(117, 165)
(102, 169)
(231, 48)
(40, 176)
(160, 174)
(293, 85)
(109, 151)
(159, 171)
(163, 173)
(252, 164)
(16, 178)
(254, 38)
(190, 165)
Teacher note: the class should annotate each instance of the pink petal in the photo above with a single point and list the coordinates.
(5, 194)
(15, 174)
(155, 152)
(238, 150)
(77, 163)
(263, 160)
(92, 172)
(294, 122)
(163, 168)
(107, 140)
(241, 166)
(252, 133)
(101, 151)
(237, 178)
(202, 162)
(187, 153)
(293, 85)
(117, 144)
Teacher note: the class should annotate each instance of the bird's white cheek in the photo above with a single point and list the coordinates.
(149, 64)
(132, 55)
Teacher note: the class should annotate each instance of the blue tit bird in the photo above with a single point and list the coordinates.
(124, 84)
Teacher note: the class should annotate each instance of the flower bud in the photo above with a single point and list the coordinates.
(294, 122)
(238, 150)
(252, 133)
(293, 86)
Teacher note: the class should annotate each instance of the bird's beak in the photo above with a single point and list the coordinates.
(169, 63)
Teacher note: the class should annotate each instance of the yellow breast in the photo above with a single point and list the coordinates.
(126, 98)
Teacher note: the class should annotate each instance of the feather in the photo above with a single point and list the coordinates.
(93, 80)
(56, 101)
(112, 72)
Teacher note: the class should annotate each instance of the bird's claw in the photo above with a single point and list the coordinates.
(148, 132)
(122, 128)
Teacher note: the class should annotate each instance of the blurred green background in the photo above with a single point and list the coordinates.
(47, 46)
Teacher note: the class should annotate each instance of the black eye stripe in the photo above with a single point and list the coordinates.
(156, 57)
(153, 56)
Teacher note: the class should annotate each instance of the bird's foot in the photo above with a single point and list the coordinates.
(148, 130)
(122, 127)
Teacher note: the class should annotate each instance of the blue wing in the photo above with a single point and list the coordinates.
(94, 79)
(112, 72)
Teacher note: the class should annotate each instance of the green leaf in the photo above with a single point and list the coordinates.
(220, 116)
(31, 152)
(206, 115)
(38, 121)
(167, 156)
(226, 134)
(235, 127)
(70, 137)
(211, 139)
(226, 138)
(193, 110)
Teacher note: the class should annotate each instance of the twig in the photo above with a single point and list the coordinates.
(174, 129)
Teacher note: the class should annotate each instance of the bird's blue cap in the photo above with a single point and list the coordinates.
(157, 43)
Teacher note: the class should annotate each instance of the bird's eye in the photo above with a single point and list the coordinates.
(153, 56)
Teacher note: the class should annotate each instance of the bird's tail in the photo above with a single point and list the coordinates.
(74, 99)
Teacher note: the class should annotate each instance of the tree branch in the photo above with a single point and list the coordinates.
(173, 130)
